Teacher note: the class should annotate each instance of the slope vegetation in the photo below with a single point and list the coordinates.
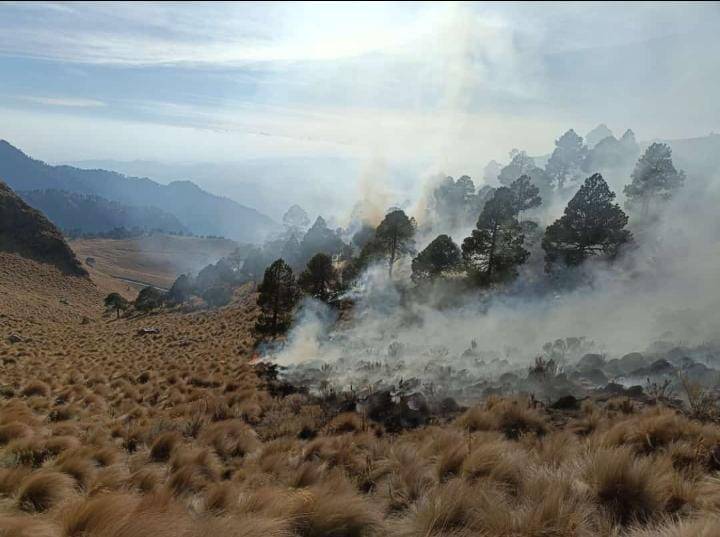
(26, 231)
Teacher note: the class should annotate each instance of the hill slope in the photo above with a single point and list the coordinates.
(27, 231)
(201, 212)
(155, 259)
(93, 214)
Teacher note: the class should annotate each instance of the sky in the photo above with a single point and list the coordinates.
(439, 85)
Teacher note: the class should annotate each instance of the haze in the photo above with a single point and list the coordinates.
(333, 93)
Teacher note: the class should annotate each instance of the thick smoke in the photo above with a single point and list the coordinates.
(662, 293)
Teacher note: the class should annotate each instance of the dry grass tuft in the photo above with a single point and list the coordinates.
(36, 387)
(326, 511)
(630, 490)
(163, 446)
(13, 431)
(104, 433)
(43, 490)
(23, 526)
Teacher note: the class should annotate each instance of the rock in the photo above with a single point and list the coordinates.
(14, 338)
(614, 388)
(417, 402)
(701, 374)
(448, 406)
(613, 368)
(568, 402)
(634, 391)
(685, 362)
(591, 361)
(145, 331)
(508, 378)
(64, 301)
(631, 362)
(594, 376)
(661, 367)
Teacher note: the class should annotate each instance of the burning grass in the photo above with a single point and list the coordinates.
(125, 436)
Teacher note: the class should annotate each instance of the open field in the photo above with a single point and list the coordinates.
(156, 259)
(104, 432)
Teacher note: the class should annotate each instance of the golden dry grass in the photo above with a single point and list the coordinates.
(156, 259)
(106, 433)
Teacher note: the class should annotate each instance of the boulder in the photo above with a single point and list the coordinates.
(568, 402)
(593, 376)
(591, 361)
(146, 331)
(631, 362)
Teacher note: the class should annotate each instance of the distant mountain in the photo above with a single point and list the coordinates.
(93, 214)
(698, 157)
(199, 211)
(269, 184)
(28, 232)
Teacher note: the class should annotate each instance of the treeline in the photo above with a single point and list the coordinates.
(134, 232)
(593, 225)
(506, 236)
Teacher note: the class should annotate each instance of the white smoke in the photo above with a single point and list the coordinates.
(662, 290)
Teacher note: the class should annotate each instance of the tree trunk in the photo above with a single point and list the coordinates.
(491, 255)
(393, 250)
(645, 207)
(276, 307)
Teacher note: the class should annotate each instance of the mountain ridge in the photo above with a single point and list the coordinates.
(200, 211)
(26, 231)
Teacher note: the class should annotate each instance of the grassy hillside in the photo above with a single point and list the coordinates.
(155, 259)
(105, 432)
(93, 214)
(27, 231)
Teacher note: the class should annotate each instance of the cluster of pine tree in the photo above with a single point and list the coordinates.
(592, 225)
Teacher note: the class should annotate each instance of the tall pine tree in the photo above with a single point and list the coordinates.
(394, 238)
(526, 195)
(319, 279)
(494, 250)
(440, 257)
(566, 162)
(654, 179)
(592, 225)
(278, 297)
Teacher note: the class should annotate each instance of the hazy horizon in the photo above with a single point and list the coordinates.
(379, 87)
(217, 82)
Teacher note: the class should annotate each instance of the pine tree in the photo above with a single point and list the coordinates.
(441, 256)
(319, 238)
(654, 178)
(526, 195)
(452, 201)
(116, 302)
(592, 225)
(566, 162)
(394, 238)
(277, 299)
(319, 279)
(495, 248)
(149, 298)
(181, 289)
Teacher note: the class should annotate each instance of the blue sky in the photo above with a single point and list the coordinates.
(438, 84)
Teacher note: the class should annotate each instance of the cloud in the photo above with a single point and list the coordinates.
(64, 101)
(448, 85)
